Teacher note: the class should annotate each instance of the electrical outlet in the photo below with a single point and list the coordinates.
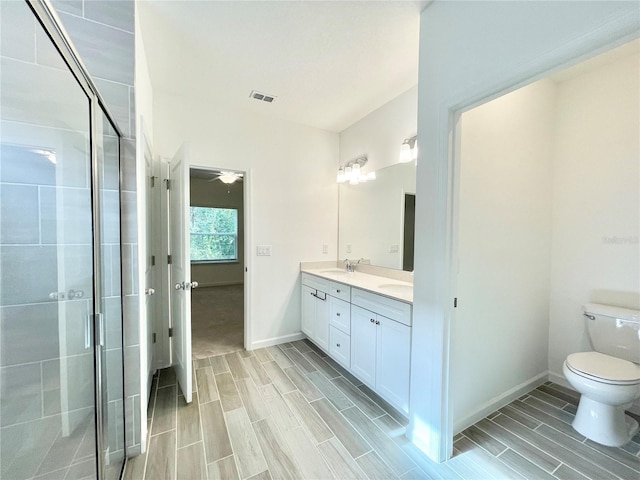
(394, 248)
(263, 250)
(325, 248)
(348, 248)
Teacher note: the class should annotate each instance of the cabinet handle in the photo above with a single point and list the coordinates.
(337, 344)
(377, 322)
(338, 314)
(337, 290)
(372, 320)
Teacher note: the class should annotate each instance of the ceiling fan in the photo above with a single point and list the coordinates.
(227, 177)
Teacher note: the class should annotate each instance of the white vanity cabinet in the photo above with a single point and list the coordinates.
(315, 310)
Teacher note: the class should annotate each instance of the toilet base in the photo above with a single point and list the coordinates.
(604, 424)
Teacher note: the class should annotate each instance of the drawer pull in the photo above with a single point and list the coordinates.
(337, 290)
(372, 320)
(338, 314)
(377, 322)
(337, 345)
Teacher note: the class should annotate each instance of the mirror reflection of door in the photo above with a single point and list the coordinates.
(408, 231)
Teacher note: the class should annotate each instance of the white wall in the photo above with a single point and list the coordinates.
(500, 331)
(219, 195)
(380, 134)
(291, 178)
(471, 51)
(596, 216)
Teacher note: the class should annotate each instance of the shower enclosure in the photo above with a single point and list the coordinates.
(61, 335)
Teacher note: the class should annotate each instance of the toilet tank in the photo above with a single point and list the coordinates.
(614, 331)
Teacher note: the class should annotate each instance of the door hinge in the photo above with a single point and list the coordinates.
(153, 260)
(154, 337)
(170, 332)
(169, 259)
(153, 181)
(168, 183)
(455, 302)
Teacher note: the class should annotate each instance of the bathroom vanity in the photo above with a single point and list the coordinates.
(363, 322)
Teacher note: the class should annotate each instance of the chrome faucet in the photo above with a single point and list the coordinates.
(351, 265)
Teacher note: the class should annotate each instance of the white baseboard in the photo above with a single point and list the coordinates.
(561, 380)
(277, 340)
(500, 401)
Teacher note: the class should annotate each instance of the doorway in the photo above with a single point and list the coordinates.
(216, 235)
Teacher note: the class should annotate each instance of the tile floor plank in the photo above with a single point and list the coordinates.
(300, 360)
(415, 474)
(390, 410)
(543, 417)
(279, 357)
(315, 348)
(374, 467)
(161, 461)
(262, 476)
(223, 469)
(484, 440)
(219, 364)
(308, 417)
(307, 455)
(263, 355)
(276, 451)
(236, 366)
(567, 473)
(618, 454)
(167, 377)
(164, 413)
(188, 421)
(389, 426)
(549, 409)
(214, 428)
(301, 346)
(190, 462)
(245, 444)
(280, 413)
(355, 444)
(229, 396)
(364, 403)
(307, 388)
(254, 403)
(564, 455)
(520, 464)
(391, 453)
(206, 385)
(257, 373)
(330, 391)
(279, 378)
(340, 461)
(321, 365)
(472, 462)
(342, 371)
(545, 397)
(520, 415)
(572, 398)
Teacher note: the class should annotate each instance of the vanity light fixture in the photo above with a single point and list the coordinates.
(352, 172)
(409, 149)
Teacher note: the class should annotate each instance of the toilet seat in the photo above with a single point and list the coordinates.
(604, 368)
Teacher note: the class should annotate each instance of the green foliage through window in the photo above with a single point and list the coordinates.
(214, 234)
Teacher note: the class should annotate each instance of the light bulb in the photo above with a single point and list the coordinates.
(347, 173)
(354, 180)
(371, 176)
(405, 152)
(414, 151)
(362, 179)
(341, 176)
(355, 170)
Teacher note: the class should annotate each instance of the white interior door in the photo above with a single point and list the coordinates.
(180, 270)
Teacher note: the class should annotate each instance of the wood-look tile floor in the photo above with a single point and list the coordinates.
(290, 412)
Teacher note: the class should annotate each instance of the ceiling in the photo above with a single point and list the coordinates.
(328, 63)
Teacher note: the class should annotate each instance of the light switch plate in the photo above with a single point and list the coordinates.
(263, 250)
(325, 248)
(393, 248)
(348, 248)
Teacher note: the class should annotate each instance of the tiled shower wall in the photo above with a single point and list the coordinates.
(102, 31)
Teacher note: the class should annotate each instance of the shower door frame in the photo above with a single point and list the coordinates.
(46, 15)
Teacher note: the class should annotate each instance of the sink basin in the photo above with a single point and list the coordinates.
(396, 288)
(334, 270)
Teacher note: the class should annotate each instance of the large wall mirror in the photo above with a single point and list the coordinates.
(376, 218)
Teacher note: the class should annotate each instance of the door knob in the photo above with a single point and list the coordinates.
(179, 286)
(150, 291)
(193, 285)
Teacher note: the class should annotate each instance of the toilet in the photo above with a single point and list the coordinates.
(608, 379)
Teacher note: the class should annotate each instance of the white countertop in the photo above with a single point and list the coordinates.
(388, 287)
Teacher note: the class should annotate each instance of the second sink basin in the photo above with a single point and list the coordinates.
(396, 288)
(334, 270)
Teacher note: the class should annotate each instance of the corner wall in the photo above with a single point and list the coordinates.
(294, 197)
(596, 215)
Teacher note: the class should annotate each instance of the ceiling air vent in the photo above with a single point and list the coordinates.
(262, 96)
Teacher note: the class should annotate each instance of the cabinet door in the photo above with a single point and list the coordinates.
(308, 311)
(321, 322)
(393, 362)
(363, 345)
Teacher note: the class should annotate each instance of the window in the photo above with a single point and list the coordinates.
(214, 234)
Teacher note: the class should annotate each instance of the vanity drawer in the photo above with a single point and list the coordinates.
(387, 307)
(340, 290)
(340, 347)
(340, 314)
(316, 283)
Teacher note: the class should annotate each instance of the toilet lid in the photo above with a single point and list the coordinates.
(604, 367)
